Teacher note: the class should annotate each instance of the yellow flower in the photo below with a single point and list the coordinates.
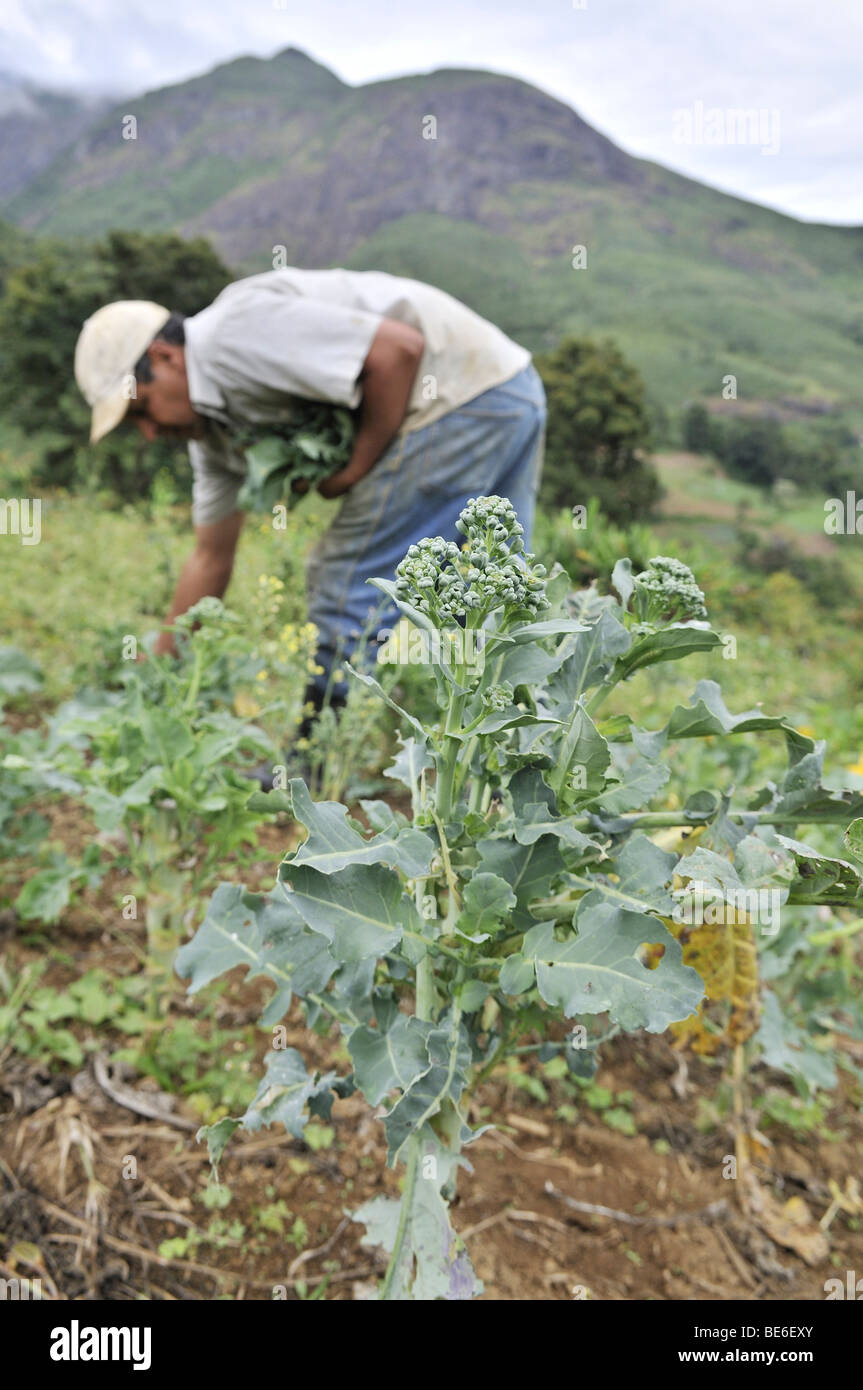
(302, 743)
(261, 676)
(806, 729)
(338, 675)
(245, 706)
(857, 767)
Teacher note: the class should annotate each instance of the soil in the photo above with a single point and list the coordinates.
(89, 1190)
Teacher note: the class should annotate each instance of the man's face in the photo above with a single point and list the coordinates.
(161, 408)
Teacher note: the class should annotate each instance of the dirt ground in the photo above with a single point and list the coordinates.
(75, 1212)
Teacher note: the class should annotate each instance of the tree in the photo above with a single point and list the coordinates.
(699, 432)
(755, 451)
(597, 432)
(45, 301)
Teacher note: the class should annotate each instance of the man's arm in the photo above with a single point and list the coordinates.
(386, 381)
(206, 572)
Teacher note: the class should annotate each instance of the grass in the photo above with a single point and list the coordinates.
(697, 485)
(98, 572)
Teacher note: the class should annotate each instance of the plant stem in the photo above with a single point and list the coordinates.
(424, 1010)
(195, 682)
(677, 818)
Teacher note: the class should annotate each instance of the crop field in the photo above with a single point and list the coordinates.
(537, 976)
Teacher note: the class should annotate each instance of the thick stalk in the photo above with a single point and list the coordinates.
(424, 1010)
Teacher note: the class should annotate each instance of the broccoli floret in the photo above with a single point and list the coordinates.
(666, 592)
(498, 697)
(491, 569)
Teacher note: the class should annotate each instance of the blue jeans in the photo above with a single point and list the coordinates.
(492, 444)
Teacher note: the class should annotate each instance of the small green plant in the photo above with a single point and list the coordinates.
(523, 888)
(164, 773)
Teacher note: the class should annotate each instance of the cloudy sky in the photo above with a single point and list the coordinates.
(658, 78)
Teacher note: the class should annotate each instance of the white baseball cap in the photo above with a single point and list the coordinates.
(109, 346)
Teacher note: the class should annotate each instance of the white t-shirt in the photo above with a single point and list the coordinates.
(307, 333)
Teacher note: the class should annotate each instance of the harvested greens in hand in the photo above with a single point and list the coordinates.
(312, 444)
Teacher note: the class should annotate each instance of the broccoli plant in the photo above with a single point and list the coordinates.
(164, 773)
(286, 459)
(524, 889)
(666, 592)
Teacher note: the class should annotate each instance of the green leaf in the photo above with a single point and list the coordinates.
(517, 974)
(361, 910)
(379, 690)
(284, 1093)
(472, 995)
(821, 874)
(412, 759)
(449, 1056)
(707, 714)
(533, 808)
(510, 718)
(545, 627)
(787, 1048)
(802, 795)
(434, 1264)
(46, 894)
(382, 817)
(268, 935)
(486, 903)
(598, 971)
(642, 872)
(276, 799)
(529, 870)
(384, 1058)
(19, 674)
(217, 1136)
(590, 659)
(668, 644)
(420, 620)
(333, 844)
(622, 580)
(853, 838)
(581, 747)
(641, 780)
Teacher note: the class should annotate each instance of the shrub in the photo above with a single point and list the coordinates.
(598, 431)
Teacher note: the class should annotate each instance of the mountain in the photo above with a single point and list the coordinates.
(696, 285)
(35, 125)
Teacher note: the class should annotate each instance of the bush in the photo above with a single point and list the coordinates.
(699, 431)
(44, 304)
(762, 451)
(598, 431)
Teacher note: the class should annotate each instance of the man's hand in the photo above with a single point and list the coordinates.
(339, 482)
(386, 379)
(206, 572)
